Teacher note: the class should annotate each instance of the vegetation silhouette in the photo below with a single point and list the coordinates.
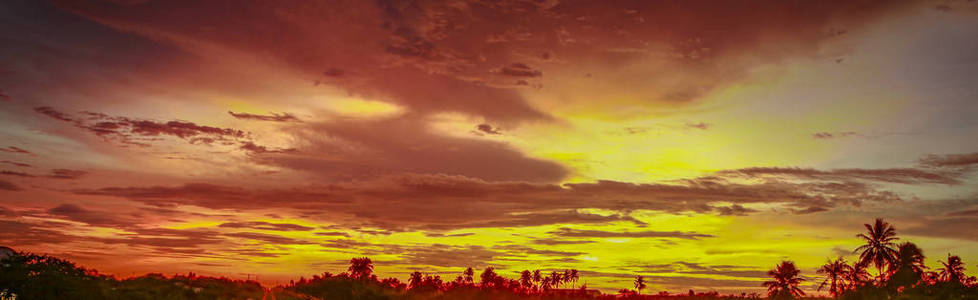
(902, 274)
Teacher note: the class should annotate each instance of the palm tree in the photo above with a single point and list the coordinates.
(415, 280)
(857, 276)
(908, 267)
(555, 278)
(574, 276)
(469, 276)
(639, 283)
(488, 277)
(785, 283)
(526, 279)
(537, 276)
(361, 267)
(835, 274)
(953, 270)
(879, 247)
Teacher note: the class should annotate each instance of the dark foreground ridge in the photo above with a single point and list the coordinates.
(900, 273)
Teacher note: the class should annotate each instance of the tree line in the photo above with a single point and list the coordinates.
(900, 274)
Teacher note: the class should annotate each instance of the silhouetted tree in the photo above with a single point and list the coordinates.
(488, 277)
(879, 248)
(639, 283)
(835, 273)
(907, 268)
(785, 283)
(361, 267)
(415, 280)
(469, 276)
(952, 271)
(526, 280)
(857, 276)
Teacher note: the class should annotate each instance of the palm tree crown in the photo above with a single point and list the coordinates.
(908, 267)
(879, 248)
(835, 275)
(953, 269)
(786, 281)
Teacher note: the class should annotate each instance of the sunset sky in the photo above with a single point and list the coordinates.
(697, 143)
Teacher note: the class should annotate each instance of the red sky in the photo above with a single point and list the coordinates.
(697, 143)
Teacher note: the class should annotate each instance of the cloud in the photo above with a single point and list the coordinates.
(77, 213)
(700, 125)
(139, 131)
(12, 149)
(552, 241)
(438, 235)
(568, 232)
(950, 160)
(14, 173)
(964, 213)
(268, 238)
(51, 112)
(285, 117)
(734, 210)
(446, 202)
(828, 135)
(67, 174)
(14, 163)
(7, 186)
(488, 129)
(893, 175)
(520, 70)
(266, 226)
(448, 256)
(810, 210)
(55, 173)
(353, 149)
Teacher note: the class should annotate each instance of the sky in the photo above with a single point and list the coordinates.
(696, 143)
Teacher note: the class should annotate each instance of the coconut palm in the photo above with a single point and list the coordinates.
(785, 283)
(526, 280)
(574, 276)
(908, 267)
(857, 276)
(879, 248)
(361, 267)
(835, 273)
(952, 270)
(469, 276)
(639, 283)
